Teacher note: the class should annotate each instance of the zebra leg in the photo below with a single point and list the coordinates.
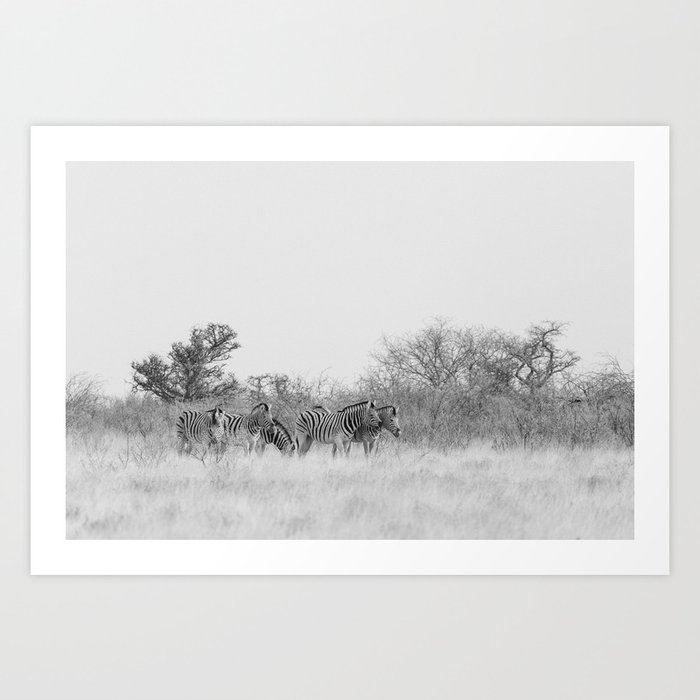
(339, 447)
(185, 447)
(220, 450)
(345, 448)
(303, 444)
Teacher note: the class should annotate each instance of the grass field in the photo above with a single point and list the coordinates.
(143, 490)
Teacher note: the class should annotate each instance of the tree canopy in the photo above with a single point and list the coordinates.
(443, 356)
(193, 370)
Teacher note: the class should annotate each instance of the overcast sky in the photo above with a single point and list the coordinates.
(312, 262)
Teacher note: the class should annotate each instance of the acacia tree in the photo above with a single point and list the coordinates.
(193, 370)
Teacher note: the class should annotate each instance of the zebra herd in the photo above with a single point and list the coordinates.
(360, 422)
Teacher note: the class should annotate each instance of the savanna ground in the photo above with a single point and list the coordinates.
(143, 490)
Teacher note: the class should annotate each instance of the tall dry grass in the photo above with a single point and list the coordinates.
(134, 486)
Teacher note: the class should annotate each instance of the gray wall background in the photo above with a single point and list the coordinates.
(551, 62)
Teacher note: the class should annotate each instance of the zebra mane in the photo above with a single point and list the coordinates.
(282, 429)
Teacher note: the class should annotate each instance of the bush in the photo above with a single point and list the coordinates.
(84, 399)
(451, 386)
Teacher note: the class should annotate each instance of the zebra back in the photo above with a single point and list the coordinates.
(252, 424)
(201, 426)
(232, 422)
(326, 426)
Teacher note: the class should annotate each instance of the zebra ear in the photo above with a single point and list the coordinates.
(371, 404)
(396, 410)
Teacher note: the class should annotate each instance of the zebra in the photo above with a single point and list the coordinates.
(368, 435)
(332, 427)
(205, 427)
(247, 429)
(278, 436)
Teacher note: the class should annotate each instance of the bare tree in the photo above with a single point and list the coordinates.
(436, 356)
(295, 393)
(537, 358)
(83, 398)
(194, 370)
(279, 389)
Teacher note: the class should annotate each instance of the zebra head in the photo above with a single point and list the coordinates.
(281, 438)
(217, 416)
(372, 419)
(387, 415)
(262, 417)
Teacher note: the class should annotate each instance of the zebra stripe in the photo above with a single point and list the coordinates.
(247, 429)
(368, 434)
(335, 427)
(199, 427)
(279, 437)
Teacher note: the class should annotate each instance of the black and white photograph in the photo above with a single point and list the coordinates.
(350, 350)
(333, 350)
